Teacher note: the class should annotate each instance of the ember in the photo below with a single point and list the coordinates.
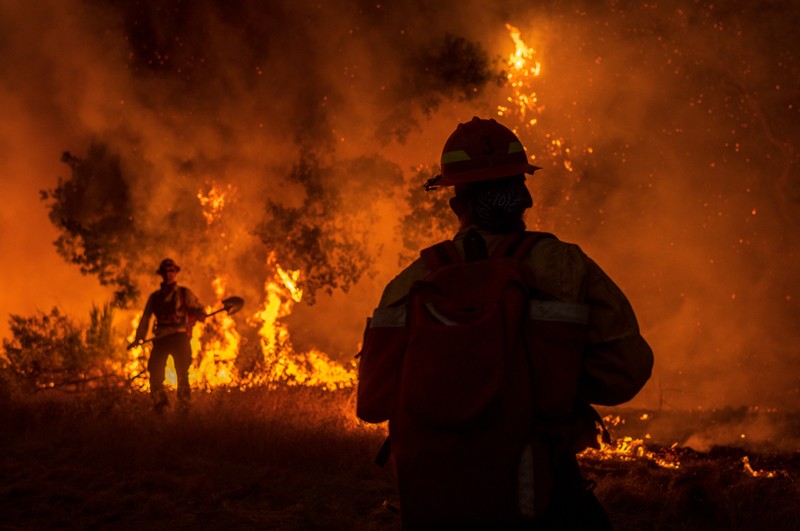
(629, 449)
(762, 473)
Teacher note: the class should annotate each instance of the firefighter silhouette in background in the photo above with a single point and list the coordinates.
(176, 310)
(486, 352)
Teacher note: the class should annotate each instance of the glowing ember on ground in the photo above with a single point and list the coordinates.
(762, 473)
(628, 449)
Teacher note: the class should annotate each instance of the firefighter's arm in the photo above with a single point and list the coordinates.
(617, 360)
(144, 322)
(194, 308)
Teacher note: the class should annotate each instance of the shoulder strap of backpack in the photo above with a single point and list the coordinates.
(441, 254)
(519, 245)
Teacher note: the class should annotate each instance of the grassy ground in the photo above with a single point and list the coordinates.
(296, 459)
(242, 460)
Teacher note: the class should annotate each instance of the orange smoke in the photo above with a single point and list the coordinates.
(668, 136)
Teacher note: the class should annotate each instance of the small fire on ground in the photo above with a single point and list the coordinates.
(631, 449)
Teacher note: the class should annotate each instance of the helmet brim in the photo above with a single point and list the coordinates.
(485, 174)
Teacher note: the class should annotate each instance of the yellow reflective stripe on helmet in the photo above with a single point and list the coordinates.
(454, 156)
(515, 147)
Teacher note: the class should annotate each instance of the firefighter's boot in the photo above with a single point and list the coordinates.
(160, 400)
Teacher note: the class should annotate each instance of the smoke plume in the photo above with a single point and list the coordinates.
(667, 133)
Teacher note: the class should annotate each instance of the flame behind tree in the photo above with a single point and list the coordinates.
(282, 363)
(326, 236)
(522, 68)
(429, 218)
(322, 237)
(690, 109)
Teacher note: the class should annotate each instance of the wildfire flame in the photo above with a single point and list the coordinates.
(522, 105)
(213, 202)
(523, 69)
(216, 342)
(313, 368)
(214, 364)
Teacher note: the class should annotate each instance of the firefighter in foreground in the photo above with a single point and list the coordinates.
(486, 352)
(176, 310)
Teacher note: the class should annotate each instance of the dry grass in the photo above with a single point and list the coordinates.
(289, 459)
(709, 492)
(296, 459)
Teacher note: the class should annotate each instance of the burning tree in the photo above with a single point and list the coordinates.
(325, 237)
(92, 209)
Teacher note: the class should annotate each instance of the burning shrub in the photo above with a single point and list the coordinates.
(52, 351)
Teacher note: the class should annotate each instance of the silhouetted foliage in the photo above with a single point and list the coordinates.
(52, 351)
(326, 237)
(449, 67)
(452, 67)
(429, 219)
(92, 209)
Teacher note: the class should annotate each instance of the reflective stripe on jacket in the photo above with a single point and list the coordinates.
(175, 308)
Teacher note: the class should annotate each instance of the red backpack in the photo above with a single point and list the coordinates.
(461, 407)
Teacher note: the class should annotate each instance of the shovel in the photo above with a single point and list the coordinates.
(230, 305)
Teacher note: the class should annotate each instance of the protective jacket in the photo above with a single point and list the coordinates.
(175, 308)
(616, 360)
(581, 327)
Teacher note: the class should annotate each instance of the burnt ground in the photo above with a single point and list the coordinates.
(295, 459)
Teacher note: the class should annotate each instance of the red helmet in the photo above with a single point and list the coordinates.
(481, 150)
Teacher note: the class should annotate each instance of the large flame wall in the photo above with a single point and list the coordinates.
(668, 133)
